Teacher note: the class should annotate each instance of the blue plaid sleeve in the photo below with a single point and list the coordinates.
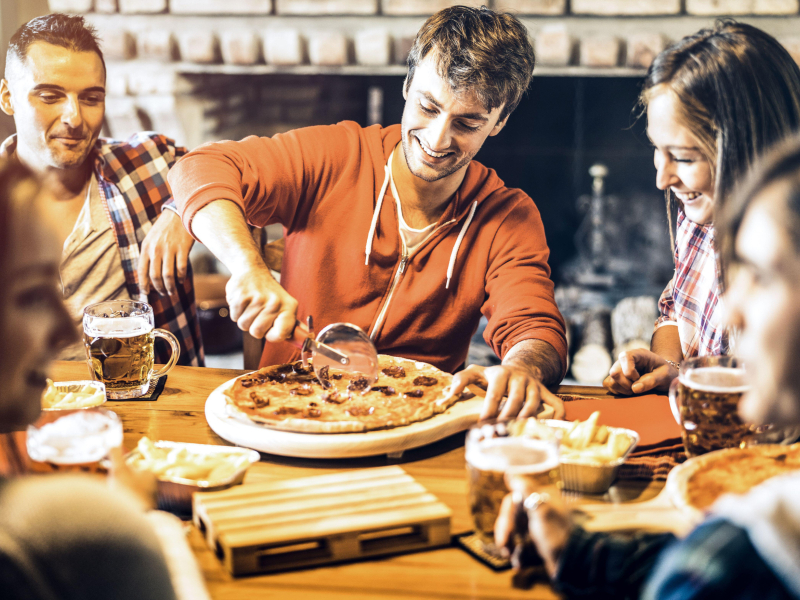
(716, 560)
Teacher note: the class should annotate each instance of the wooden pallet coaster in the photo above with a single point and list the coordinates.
(278, 525)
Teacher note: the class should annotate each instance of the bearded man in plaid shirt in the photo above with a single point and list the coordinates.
(125, 241)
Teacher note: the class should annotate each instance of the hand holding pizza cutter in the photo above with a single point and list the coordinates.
(342, 346)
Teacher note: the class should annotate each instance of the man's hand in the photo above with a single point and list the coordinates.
(164, 255)
(639, 371)
(523, 386)
(549, 526)
(260, 305)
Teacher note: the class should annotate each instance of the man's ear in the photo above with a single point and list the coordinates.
(406, 83)
(5, 98)
(498, 126)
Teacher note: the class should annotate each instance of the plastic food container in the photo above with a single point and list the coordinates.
(589, 477)
(76, 386)
(175, 493)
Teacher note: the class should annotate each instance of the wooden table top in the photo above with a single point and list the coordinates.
(178, 415)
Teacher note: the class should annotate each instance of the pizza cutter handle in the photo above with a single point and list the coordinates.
(300, 336)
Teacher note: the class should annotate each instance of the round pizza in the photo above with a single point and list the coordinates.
(734, 471)
(292, 398)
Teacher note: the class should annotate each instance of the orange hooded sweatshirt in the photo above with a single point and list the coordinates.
(328, 187)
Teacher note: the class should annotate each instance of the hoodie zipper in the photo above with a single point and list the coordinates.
(404, 259)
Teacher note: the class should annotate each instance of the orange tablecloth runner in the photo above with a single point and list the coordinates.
(660, 447)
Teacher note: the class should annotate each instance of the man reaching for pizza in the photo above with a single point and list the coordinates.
(397, 229)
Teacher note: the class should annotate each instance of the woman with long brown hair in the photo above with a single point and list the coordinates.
(714, 101)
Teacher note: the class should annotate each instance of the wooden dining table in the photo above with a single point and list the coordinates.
(178, 415)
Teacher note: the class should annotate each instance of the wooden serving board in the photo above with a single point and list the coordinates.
(462, 415)
(278, 525)
(668, 511)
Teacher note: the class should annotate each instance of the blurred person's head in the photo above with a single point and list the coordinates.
(54, 87)
(760, 233)
(467, 71)
(715, 101)
(34, 324)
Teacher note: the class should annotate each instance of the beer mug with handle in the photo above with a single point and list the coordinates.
(119, 336)
(704, 401)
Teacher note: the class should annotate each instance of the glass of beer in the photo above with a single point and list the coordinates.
(74, 440)
(119, 336)
(492, 455)
(704, 401)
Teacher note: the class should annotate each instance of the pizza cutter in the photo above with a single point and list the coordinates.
(341, 346)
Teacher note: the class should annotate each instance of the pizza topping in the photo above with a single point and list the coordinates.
(333, 397)
(386, 390)
(311, 411)
(300, 369)
(360, 411)
(395, 371)
(276, 376)
(358, 384)
(286, 410)
(425, 380)
(250, 381)
(415, 393)
(336, 376)
(259, 400)
(303, 390)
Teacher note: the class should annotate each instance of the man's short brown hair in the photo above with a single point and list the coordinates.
(477, 50)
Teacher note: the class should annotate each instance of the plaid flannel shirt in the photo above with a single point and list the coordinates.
(132, 178)
(691, 299)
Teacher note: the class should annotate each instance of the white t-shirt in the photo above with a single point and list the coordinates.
(91, 267)
(412, 238)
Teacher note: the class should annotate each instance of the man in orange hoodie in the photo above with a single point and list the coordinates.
(397, 229)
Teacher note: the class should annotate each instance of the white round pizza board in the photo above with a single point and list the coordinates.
(242, 432)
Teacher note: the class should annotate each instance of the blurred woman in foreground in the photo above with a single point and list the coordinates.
(749, 546)
(715, 101)
(61, 537)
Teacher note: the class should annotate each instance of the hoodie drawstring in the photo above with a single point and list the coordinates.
(461, 234)
(377, 212)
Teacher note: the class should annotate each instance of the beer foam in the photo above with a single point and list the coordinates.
(117, 327)
(515, 455)
(78, 438)
(719, 380)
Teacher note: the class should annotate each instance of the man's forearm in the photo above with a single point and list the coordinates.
(221, 227)
(538, 357)
(667, 343)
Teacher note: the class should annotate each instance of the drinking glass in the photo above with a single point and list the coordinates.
(119, 337)
(493, 455)
(74, 440)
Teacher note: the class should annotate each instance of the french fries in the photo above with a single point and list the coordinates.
(584, 440)
(173, 463)
(83, 398)
(592, 442)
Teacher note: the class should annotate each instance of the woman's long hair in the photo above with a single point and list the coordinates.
(738, 93)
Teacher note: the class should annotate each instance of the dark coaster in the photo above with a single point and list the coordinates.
(474, 546)
(153, 392)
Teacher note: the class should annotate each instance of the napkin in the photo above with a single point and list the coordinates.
(650, 416)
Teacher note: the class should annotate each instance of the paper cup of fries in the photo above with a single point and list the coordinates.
(73, 395)
(183, 469)
(592, 454)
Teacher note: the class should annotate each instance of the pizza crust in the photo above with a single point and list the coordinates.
(386, 410)
(731, 471)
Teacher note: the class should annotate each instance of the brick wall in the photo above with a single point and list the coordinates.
(154, 48)
(427, 7)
